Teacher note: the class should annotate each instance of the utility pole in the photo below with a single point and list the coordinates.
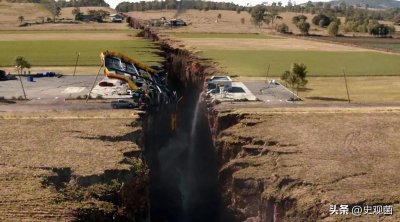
(94, 82)
(266, 76)
(20, 80)
(76, 63)
(347, 88)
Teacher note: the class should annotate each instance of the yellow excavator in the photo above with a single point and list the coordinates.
(147, 85)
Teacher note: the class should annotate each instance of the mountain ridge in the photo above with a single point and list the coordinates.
(378, 4)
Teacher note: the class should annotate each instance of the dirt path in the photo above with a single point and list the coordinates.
(268, 44)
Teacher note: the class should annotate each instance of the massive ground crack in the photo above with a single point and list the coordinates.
(182, 163)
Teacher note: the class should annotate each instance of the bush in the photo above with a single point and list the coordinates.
(298, 18)
(238, 10)
(282, 28)
(304, 27)
(321, 20)
(333, 29)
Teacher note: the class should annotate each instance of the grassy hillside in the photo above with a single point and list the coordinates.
(9, 13)
(67, 11)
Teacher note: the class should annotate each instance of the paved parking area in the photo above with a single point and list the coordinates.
(48, 87)
(269, 93)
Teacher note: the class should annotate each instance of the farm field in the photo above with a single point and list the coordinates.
(230, 22)
(63, 53)
(222, 35)
(371, 89)
(59, 162)
(255, 62)
(60, 31)
(385, 44)
(362, 89)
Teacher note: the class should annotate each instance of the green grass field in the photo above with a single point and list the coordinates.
(255, 62)
(222, 35)
(394, 47)
(368, 89)
(63, 53)
(133, 31)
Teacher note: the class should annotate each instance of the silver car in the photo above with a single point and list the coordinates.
(121, 103)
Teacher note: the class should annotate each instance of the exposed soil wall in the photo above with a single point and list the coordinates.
(221, 199)
(182, 162)
(210, 193)
(243, 198)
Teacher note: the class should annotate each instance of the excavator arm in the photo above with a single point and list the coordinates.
(131, 84)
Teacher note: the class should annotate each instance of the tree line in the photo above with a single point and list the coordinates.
(174, 4)
(65, 3)
(324, 15)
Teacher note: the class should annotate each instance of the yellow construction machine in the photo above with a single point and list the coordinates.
(147, 85)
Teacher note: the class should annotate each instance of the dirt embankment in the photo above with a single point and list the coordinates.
(292, 165)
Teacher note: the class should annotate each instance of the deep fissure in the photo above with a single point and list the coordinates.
(182, 163)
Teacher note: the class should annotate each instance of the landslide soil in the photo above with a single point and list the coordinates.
(308, 159)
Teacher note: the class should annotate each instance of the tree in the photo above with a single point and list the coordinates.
(53, 8)
(257, 15)
(57, 12)
(98, 15)
(76, 11)
(272, 14)
(380, 30)
(333, 29)
(21, 63)
(285, 76)
(298, 18)
(21, 19)
(321, 20)
(301, 24)
(304, 27)
(296, 77)
(282, 28)
(238, 10)
(300, 70)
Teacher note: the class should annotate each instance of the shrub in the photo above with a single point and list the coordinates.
(304, 27)
(282, 28)
(321, 20)
(333, 29)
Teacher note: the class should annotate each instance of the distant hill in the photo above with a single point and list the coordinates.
(378, 4)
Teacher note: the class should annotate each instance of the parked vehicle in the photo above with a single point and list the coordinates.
(121, 103)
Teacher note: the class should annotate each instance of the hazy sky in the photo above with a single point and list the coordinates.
(114, 3)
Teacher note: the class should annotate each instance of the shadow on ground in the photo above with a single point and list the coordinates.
(326, 99)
